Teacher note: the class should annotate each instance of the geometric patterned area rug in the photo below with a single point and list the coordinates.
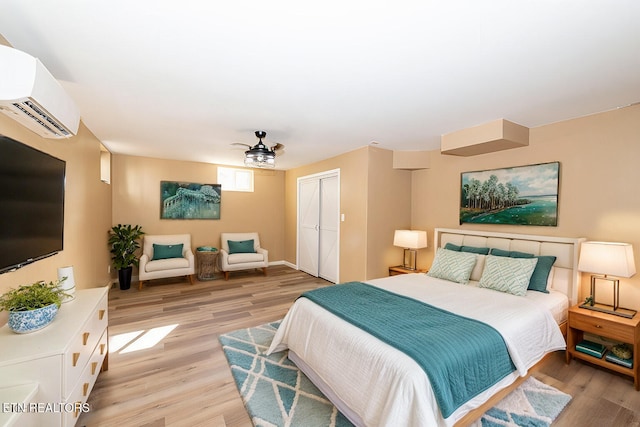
(276, 393)
(533, 403)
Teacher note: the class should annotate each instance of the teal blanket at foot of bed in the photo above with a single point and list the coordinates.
(462, 357)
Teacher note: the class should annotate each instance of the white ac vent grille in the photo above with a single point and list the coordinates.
(42, 118)
(30, 95)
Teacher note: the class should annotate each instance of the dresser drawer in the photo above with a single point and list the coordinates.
(46, 358)
(604, 327)
(83, 346)
(87, 380)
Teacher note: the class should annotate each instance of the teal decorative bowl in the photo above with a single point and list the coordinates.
(23, 322)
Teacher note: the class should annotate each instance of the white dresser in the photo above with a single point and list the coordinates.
(50, 372)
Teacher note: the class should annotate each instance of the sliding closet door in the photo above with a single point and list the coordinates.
(308, 230)
(329, 223)
(319, 225)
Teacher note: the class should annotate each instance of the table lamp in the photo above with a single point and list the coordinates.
(604, 259)
(410, 240)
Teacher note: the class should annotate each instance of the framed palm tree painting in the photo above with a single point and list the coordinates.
(521, 195)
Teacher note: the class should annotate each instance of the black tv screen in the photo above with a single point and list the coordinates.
(31, 204)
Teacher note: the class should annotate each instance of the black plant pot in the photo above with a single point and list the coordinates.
(124, 277)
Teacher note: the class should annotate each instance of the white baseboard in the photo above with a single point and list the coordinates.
(282, 262)
(290, 265)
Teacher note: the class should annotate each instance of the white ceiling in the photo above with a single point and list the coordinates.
(183, 80)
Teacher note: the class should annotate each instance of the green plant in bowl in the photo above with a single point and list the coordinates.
(32, 307)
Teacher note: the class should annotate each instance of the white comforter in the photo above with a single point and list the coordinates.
(382, 386)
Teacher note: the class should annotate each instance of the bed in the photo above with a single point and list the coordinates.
(373, 383)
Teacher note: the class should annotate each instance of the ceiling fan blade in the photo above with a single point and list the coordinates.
(242, 145)
(278, 147)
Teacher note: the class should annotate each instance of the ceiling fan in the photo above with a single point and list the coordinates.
(260, 156)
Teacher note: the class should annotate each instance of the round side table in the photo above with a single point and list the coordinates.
(207, 264)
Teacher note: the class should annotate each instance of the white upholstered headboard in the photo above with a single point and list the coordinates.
(564, 275)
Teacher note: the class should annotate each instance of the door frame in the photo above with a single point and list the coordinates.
(319, 175)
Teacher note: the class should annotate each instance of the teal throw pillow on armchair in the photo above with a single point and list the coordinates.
(241, 247)
(167, 251)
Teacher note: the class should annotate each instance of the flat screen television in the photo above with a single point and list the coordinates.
(31, 204)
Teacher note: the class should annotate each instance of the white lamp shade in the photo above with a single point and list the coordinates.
(411, 239)
(610, 258)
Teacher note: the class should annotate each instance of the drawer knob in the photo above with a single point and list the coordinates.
(85, 389)
(85, 338)
(599, 326)
(94, 365)
(102, 346)
(101, 314)
(76, 356)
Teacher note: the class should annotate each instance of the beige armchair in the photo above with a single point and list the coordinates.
(243, 254)
(168, 259)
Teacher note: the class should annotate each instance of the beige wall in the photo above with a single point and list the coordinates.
(136, 200)
(374, 199)
(87, 210)
(388, 209)
(599, 172)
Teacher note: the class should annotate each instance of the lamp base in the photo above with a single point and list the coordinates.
(605, 308)
(410, 259)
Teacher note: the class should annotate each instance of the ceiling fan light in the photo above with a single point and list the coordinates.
(260, 156)
(260, 160)
(254, 162)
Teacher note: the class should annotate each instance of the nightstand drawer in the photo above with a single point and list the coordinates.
(598, 326)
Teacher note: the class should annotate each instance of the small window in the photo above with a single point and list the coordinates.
(235, 179)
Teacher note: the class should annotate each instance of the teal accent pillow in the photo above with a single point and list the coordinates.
(241, 247)
(507, 274)
(540, 274)
(516, 254)
(470, 249)
(475, 250)
(538, 281)
(167, 251)
(500, 252)
(453, 266)
(452, 247)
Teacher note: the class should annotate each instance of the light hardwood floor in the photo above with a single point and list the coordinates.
(184, 380)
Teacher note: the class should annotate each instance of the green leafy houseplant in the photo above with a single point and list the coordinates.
(32, 307)
(123, 240)
(31, 297)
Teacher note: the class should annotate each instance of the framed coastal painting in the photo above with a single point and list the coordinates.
(521, 195)
(188, 200)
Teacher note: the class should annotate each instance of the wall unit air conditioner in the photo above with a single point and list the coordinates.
(33, 97)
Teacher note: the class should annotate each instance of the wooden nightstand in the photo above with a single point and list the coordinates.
(398, 269)
(609, 326)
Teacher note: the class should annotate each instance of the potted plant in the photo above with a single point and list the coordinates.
(32, 307)
(123, 240)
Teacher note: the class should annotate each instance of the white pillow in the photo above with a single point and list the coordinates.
(506, 274)
(453, 266)
(476, 273)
